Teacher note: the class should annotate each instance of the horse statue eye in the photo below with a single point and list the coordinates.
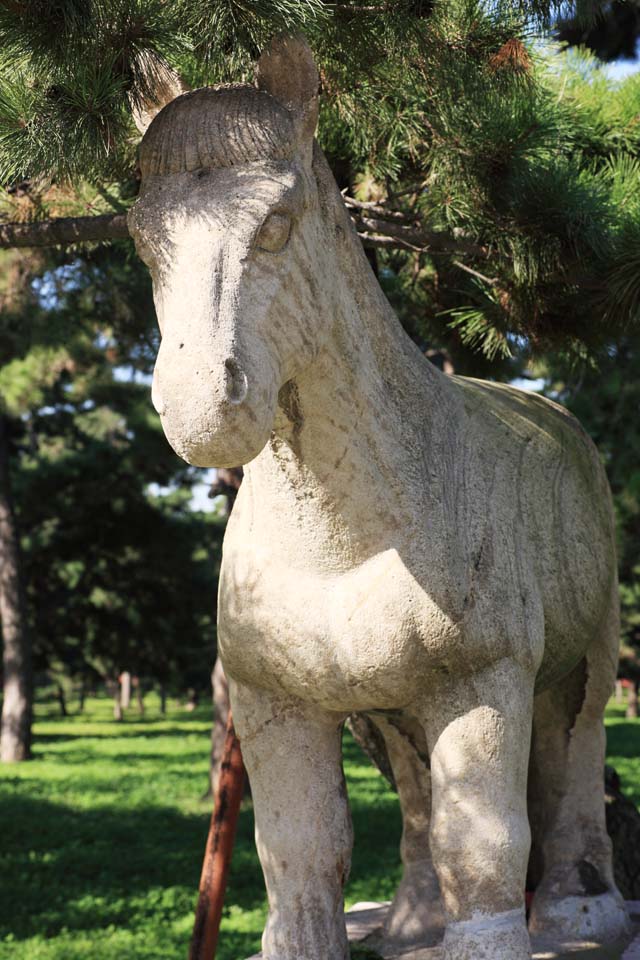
(274, 232)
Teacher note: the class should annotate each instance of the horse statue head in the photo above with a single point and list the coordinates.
(228, 223)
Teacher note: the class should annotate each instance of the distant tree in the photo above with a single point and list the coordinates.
(119, 571)
(16, 300)
(17, 678)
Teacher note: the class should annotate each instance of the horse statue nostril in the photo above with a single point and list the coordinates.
(236, 382)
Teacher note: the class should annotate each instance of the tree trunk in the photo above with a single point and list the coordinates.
(139, 696)
(220, 691)
(227, 484)
(163, 700)
(619, 692)
(125, 690)
(114, 686)
(17, 707)
(221, 709)
(62, 702)
(64, 230)
(82, 695)
(217, 858)
(371, 742)
(632, 701)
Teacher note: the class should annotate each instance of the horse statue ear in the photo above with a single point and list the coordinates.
(163, 85)
(288, 72)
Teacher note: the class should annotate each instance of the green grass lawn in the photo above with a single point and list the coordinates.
(102, 836)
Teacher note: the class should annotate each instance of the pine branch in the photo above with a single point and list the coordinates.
(63, 231)
(389, 243)
(377, 209)
(357, 8)
(113, 226)
(492, 281)
(391, 231)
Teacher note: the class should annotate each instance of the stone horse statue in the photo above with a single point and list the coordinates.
(433, 551)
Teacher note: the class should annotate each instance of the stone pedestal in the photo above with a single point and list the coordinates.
(365, 921)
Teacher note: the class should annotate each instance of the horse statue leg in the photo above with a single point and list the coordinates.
(292, 752)
(478, 728)
(415, 916)
(576, 896)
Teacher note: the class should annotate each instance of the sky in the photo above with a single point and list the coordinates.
(621, 69)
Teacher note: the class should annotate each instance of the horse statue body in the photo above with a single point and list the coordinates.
(433, 551)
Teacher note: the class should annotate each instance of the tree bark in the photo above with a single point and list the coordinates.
(139, 695)
(17, 706)
(113, 687)
(64, 231)
(62, 701)
(125, 690)
(217, 858)
(221, 711)
(632, 701)
(227, 484)
(376, 226)
(220, 692)
(371, 742)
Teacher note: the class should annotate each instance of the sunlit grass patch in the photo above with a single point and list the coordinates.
(102, 836)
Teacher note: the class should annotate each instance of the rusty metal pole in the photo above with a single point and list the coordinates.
(217, 857)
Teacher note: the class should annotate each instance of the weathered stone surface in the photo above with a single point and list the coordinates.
(434, 551)
(365, 923)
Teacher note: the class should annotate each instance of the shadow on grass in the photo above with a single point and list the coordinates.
(377, 827)
(623, 738)
(129, 759)
(63, 869)
(122, 733)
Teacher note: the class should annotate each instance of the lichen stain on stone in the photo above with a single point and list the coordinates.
(289, 403)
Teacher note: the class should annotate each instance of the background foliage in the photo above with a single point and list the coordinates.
(493, 176)
(517, 155)
(116, 562)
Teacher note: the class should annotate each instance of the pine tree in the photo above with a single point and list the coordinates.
(16, 301)
(17, 702)
(482, 165)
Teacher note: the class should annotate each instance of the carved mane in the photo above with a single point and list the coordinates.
(220, 126)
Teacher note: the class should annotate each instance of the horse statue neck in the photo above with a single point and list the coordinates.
(352, 424)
